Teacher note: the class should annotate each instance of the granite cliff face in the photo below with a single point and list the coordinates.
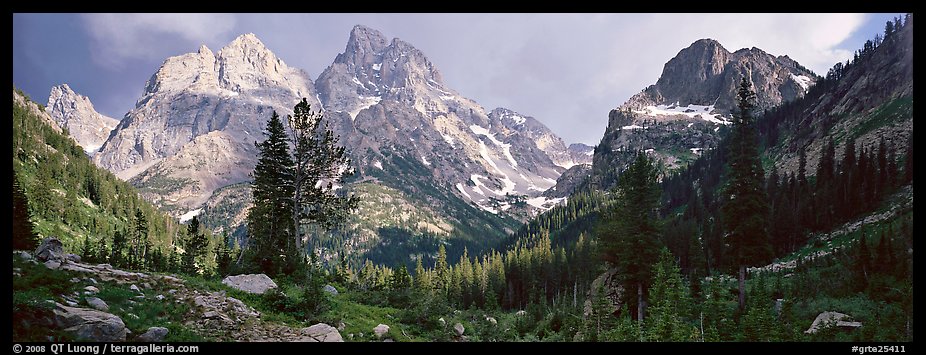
(194, 128)
(76, 113)
(684, 112)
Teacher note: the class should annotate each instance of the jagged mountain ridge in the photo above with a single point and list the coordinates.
(388, 93)
(682, 114)
(76, 113)
(192, 133)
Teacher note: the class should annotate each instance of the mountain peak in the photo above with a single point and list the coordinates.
(365, 41)
(247, 39)
(76, 113)
(62, 89)
(205, 51)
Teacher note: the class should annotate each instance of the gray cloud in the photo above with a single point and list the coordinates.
(567, 70)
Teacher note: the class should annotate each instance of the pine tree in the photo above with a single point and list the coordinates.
(270, 222)
(862, 263)
(670, 302)
(441, 280)
(319, 163)
(745, 205)
(630, 234)
(194, 248)
(24, 236)
(401, 280)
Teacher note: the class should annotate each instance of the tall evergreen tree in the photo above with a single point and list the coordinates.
(270, 219)
(194, 248)
(671, 302)
(24, 236)
(319, 163)
(745, 205)
(629, 235)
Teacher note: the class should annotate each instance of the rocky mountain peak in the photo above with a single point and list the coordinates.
(371, 69)
(364, 46)
(691, 100)
(76, 113)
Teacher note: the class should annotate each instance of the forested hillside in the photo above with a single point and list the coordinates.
(93, 213)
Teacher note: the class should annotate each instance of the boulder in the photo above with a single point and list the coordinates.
(341, 326)
(520, 313)
(442, 321)
(321, 332)
(828, 319)
(330, 289)
(153, 335)
(380, 330)
(97, 304)
(72, 258)
(23, 254)
(159, 297)
(90, 324)
(52, 264)
(50, 249)
(91, 289)
(250, 283)
(135, 288)
(459, 329)
(491, 320)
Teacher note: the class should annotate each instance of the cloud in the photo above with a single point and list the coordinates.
(118, 37)
(567, 70)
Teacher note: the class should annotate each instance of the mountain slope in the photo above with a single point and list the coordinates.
(870, 99)
(76, 113)
(684, 112)
(69, 197)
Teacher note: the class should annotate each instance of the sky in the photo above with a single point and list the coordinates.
(566, 70)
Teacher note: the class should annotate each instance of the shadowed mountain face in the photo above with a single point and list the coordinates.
(683, 113)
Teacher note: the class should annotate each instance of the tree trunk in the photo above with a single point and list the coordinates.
(640, 301)
(575, 292)
(742, 297)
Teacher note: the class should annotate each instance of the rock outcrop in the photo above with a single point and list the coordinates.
(250, 283)
(89, 324)
(153, 335)
(832, 319)
(380, 330)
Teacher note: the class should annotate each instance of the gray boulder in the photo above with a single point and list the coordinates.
(380, 330)
(50, 249)
(23, 254)
(250, 283)
(321, 332)
(153, 335)
(91, 289)
(97, 304)
(459, 329)
(829, 319)
(330, 289)
(90, 324)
